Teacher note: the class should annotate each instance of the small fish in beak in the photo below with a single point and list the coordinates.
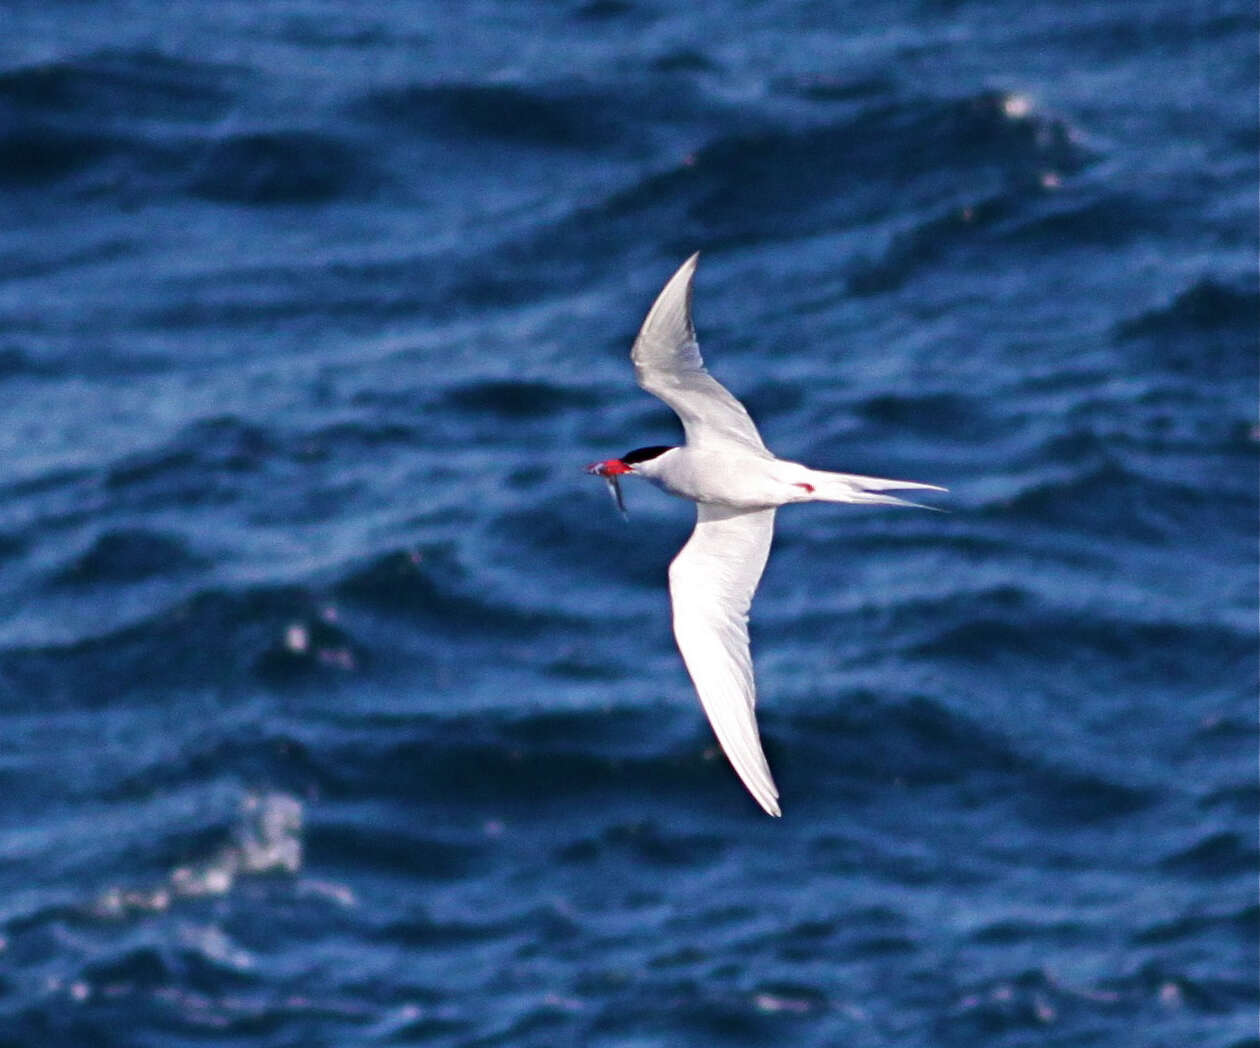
(610, 471)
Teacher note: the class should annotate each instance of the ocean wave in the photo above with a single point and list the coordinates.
(33, 156)
(123, 86)
(928, 243)
(769, 181)
(244, 744)
(280, 633)
(830, 88)
(1092, 491)
(549, 536)
(129, 555)
(18, 363)
(938, 414)
(495, 763)
(203, 461)
(1036, 1004)
(1218, 854)
(431, 587)
(171, 948)
(1207, 333)
(403, 849)
(267, 839)
(648, 843)
(1013, 623)
(564, 115)
(1206, 305)
(919, 740)
(1085, 215)
(141, 121)
(1235, 923)
(514, 398)
(1033, 214)
(922, 743)
(516, 764)
(267, 632)
(110, 119)
(281, 166)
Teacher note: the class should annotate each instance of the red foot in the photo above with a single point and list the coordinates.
(808, 487)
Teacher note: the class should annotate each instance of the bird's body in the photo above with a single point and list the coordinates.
(744, 480)
(737, 484)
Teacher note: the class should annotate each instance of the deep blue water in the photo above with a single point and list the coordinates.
(338, 707)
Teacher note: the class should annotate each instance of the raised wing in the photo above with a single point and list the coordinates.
(667, 364)
(711, 585)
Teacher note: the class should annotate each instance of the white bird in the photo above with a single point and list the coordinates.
(737, 485)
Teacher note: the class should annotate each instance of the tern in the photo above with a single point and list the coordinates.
(736, 484)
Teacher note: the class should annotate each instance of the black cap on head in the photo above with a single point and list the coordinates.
(643, 454)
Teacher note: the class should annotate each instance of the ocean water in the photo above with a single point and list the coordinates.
(339, 707)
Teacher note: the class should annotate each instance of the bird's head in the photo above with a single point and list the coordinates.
(611, 469)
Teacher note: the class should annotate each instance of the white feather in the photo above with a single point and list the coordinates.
(711, 586)
(668, 365)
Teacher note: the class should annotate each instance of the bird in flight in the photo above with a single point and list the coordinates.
(736, 484)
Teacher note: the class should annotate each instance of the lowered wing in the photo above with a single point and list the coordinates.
(668, 365)
(711, 586)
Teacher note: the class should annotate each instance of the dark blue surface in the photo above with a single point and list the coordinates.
(337, 706)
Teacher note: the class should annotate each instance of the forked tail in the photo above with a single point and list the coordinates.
(851, 487)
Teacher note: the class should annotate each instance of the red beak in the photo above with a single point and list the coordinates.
(608, 468)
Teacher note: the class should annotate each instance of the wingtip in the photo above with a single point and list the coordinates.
(688, 269)
(763, 790)
(748, 761)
